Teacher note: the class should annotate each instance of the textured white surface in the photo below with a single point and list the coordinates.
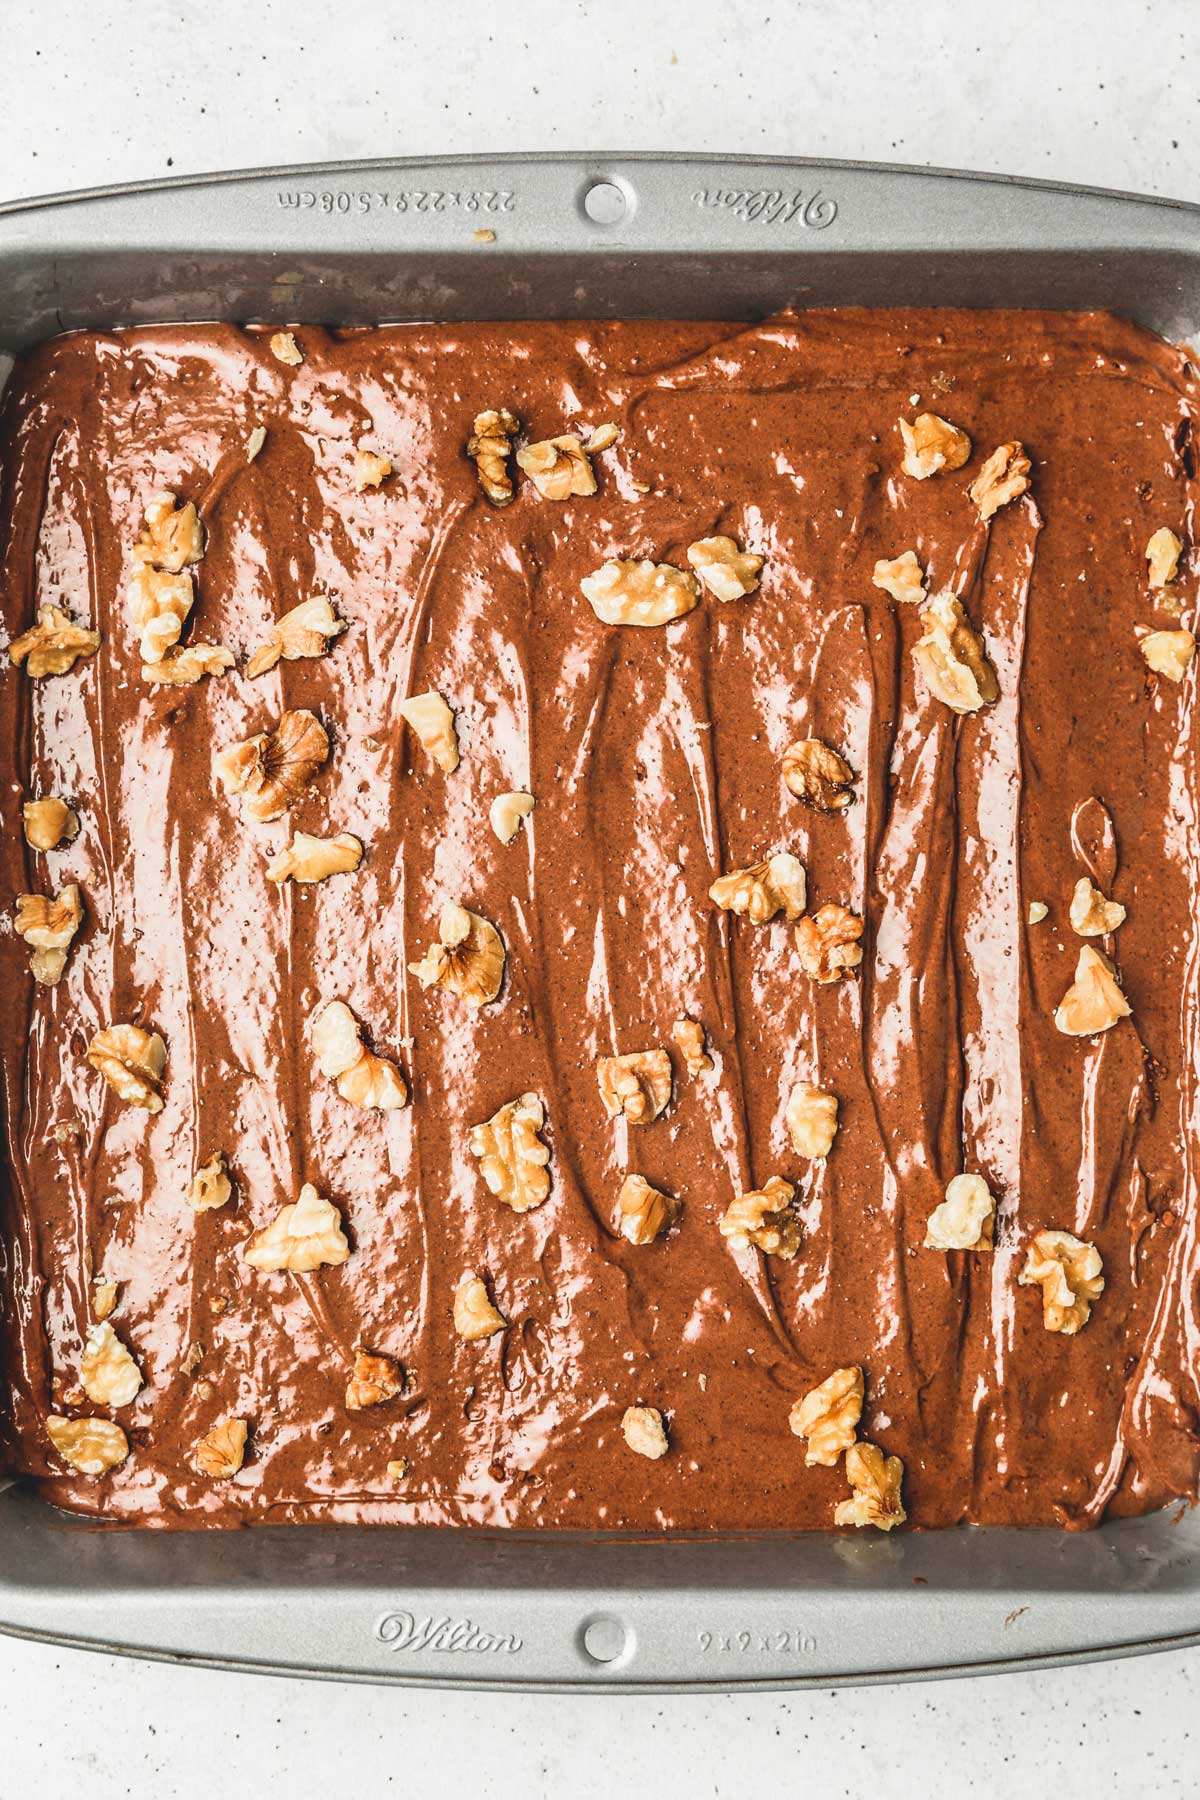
(1082, 90)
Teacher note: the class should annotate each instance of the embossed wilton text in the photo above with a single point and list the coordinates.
(771, 206)
(402, 1631)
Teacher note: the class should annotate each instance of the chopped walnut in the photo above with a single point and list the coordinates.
(727, 572)
(157, 604)
(902, 577)
(184, 666)
(397, 1469)
(932, 444)
(622, 592)
(1070, 1274)
(637, 1084)
(48, 927)
(1003, 477)
(474, 1315)
(965, 1219)
(828, 1416)
(49, 822)
(1038, 910)
(108, 1374)
(644, 1431)
(489, 448)
(255, 442)
(304, 1236)
(172, 536)
(952, 658)
(764, 1217)
(1162, 556)
(132, 1062)
(285, 349)
(603, 437)
(558, 468)
(764, 889)
(512, 1157)
(1091, 914)
(375, 1380)
(54, 645)
(221, 1451)
(364, 1079)
(433, 721)
(467, 960)
(689, 1035)
(645, 1212)
(1168, 652)
(875, 1481)
(316, 858)
(370, 470)
(828, 942)
(817, 775)
(812, 1120)
(104, 1297)
(1094, 1000)
(271, 770)
(307, 630)
(506, 812)
(93, 1446)
(210, 1186)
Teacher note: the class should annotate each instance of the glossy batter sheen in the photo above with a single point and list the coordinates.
(654, 756)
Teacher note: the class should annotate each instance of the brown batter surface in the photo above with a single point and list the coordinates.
(655, 760)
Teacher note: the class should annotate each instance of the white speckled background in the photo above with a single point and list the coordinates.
(96, 91)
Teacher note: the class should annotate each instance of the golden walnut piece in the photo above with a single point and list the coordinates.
(506, 813)
(108, 1374)
(474, 1315)
(512, 1157)
(965, 1219)
(932, 444)
(1003, 477)
(286, 350)
(184, 666)
(1094, 1000)
(316, 858)
(305, 1236)
(93, 1446)
(951, 656)
(1168, 653)
(489, 448)
(210, 1186)
(727, 572)
(828, 942)
(370, 470)
(875, 1481)
(221, 1451)
(644, 1212)
(828, 1417)
(637, 1085)
(640, 593)
(374, 1380)
(49, 822)
(817, 775)
(271, 770)
(902, 577)
(433, 721)
(132, 1062)
(1162, 556)
(48, 927)
(689, 1035)
(764, 1218)
(306, 631)
(54, 645)
(811, 1115)
(644, 1431)
(1070, 1274)
(363, 1078)
(160, 592)
(558, 468)
(1091, 914)
(467, 960)
(764, 889)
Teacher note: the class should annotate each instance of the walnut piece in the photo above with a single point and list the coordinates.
(467, 960)
(932, 444)
(603, 437)
(185, 665)
(54, 645)
(397, 1469)
(644, 1431)
(764, 1217)
(48, 927)
(1038, 910)
(644, 1212)
(623, 592)
(1168, 652)
(558, 468)
(49, 822)
(637, 1084)
(172, 537)
(506, 812)
(902, 577)
(1094, 1000)
(1003, 477)
(307, 630)
(1162, 556)
(828, 1416)
(304, 1236)
(433, 722)
(474, 1315)
(875, 1481)
(828, 942)
(93, 1446)
(817, 775)
(727, 572)
(965, 1219)
(811, 1116)
(210, 1186)
(689, 1035)
(1070, 1274)
(370, 470)
(764, 889)
(375, 1379)
(512, 1157)
(157, 604)
(255, 442)
(952, 658)
(132, 1062)
(271, 770)
(285, 349)
(489, 448)
(1091, 914)
(221, 1451)
(104, 1297)
(108, 1374)
(309, 859)
(364, 1079)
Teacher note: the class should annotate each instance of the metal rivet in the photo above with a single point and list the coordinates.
(605, 1639)
(605, 203)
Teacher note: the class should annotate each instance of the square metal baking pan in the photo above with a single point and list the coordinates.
(588, 236)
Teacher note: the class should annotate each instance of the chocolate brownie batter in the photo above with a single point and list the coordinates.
(654, 757)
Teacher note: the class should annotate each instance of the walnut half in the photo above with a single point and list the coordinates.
(645, 593)
(1094, 1001)
(373, 1381)
(132, 1061)
(644, 1212)
(827, 942)
(221, 1451)
(467, 960)
(932, 444)
(48, 927)
(1070, 1274)
(304, 1236)
(727, 572)
(558, 468)
(54, 645)
(108, 1374)
(766, 888)
(817, 775)
(474, 1315)
(637, 1085)
(951, 656)
(363, 1078)
(764, 1218)
(271, 770)
(875, 1481)
(828, 1416)
(512, 1157)
(1004, 477)
(965, 1219)
(93, 1446)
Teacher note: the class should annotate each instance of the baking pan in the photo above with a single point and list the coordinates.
(571, 236)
